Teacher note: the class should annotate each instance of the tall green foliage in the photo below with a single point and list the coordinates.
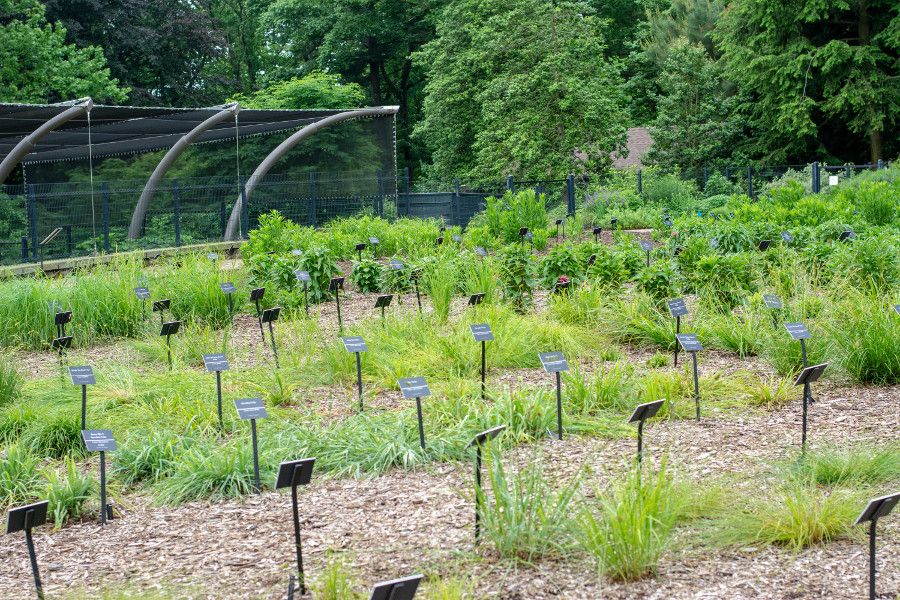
(519, 87)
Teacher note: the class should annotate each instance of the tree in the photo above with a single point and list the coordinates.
(166, 51)
(822, 75)
(694, 126)
(38, 66)
(370, 42)
(316, 90)
(519, 87)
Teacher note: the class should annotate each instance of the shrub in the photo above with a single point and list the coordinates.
(561, 260)
(876, 201)
(724, 280)
(659, 281)
(669, 191)
(367, 276)
(629, 529)
(866, 332)
(717, 184)
(856, 466)
(516, 275)
(68, 493)
(321, 266)
(505, 216)
(19, 479)
(525, 518)
(796, 515)
(147, 456)
(10, 381)
(439, 282)
(55, 436)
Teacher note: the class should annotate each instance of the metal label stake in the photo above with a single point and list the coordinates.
(357, 346)
(251, 409)
(555, 362)
(26, 518)
(876, 509)
(293, 474)
(478, 441)
(416, 388)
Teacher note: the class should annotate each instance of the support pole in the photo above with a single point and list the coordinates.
(255, 455)
(478, 493)
(219, 396)
(103, 488)
(297, 542)
(169, 350)
(640, 448)
(677, 331)
(558, 405)
(29, 541)
(337, 301)
(83, 407)
(359, 380)
(696, 385)
(871, 558)
(274, 348)
(483, 364)
(262, 333)
(421, 426)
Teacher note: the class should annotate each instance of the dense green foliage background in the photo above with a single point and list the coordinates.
(532, 88)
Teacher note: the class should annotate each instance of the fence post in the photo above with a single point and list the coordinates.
(69, 240)
(104, 199)
(570, 194)
(311, 201)
(379, 198)
(509, 183)
(176, 206)
(815, 177)
(750, 181)
(24, 248)
(245, 211)
(223, 217)
(32, 219)
(879, 165)
(728, 173)
(454, 204)
(406, 179)
(640, 176)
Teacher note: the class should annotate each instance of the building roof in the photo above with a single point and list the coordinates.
(638, 144)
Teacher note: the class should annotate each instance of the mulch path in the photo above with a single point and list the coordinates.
(409, 521)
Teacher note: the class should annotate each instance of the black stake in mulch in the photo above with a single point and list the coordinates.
(476, 299)
(846, 235)
(83, 376)
(397, 589)
(478, 441)
(356, 345)
(482, 333)
(774, 304)
(439, 241)
(229, 290)
(415, 387)
(523, 233)
(374, 241)
(335, 287)
(102, 441)
(359, 250)
(690, 343)
(555, 362)
(26, 518)
(613, 224)
(414, 277)
(256, 295)
(558, 223)
(216, 363)
(251, 409)
(293, 474)
(641, 413)
(304, 278)
(169, 329)
(161, 306)
(764, 245)
(647, 247)
(678, 309)
(876, 509)
(807, 376)
(270, 315)
(382, 302)
(597, 232)
(142, 294)
(590, 263)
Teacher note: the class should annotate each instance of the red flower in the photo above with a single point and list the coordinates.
(563, 279)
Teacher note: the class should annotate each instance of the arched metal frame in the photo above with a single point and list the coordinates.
(135, 230)
(231, 231)
(24, 147)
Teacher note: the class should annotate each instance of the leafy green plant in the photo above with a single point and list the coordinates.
(659, 281)
(336, 581)
(67, 493)
(147, 456)
(55, 435)
(367, 276)
(561, 260)
(860, 465)
(516, 275)
(11, 381)
(440, 281)
(506, 215)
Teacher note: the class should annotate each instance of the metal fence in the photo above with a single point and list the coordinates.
(86, 218)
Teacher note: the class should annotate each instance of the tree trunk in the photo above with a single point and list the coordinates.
(865, 38)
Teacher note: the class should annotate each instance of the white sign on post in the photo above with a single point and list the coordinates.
(832, 180)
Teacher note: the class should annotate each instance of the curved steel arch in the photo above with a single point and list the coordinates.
(284, 147)
(21, 150)
(140, 210)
